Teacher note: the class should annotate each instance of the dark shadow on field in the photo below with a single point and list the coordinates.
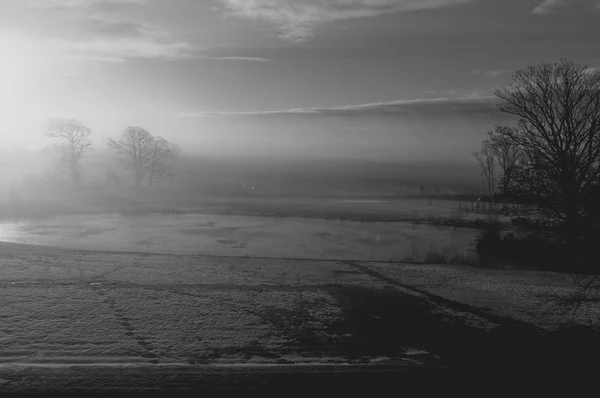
(514, 357)
(382, 320)
(386, 322)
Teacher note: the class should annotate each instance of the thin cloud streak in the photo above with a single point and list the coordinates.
(489, 72)
(250, 59)
(79, 3)
(482, 103)
(297, 19)
(548, 6)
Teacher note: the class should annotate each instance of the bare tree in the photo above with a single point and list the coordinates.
(508, 156)
(145, 154)
(71, 141)
(135, 144)
(159, 155)
(487, 162)
(176, 150)
(559, 131)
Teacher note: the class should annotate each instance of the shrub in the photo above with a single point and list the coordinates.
(434, 257)
(520, 222)
(538, 249)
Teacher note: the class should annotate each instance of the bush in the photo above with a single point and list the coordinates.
(520, 222)
(434, 257)
(538, 249)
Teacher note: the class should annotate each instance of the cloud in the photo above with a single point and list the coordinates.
(84, 3)
(123, 49)
(59, 32)
(99, 30)
(547, 6)
(482, 105)
(489, 72)
(251, 59)
(298, 18)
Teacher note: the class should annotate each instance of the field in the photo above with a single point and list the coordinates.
(70, 308)
(157, 279)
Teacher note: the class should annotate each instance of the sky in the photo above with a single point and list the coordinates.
(377, 79)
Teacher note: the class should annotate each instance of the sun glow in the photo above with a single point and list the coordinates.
(17, 94)
(9, 76)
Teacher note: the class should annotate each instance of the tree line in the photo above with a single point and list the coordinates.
(146, 155)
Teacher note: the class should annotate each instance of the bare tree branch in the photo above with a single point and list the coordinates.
(143, 153)
(160, 154)
(487, 161)
(71, 141)
(560, 134)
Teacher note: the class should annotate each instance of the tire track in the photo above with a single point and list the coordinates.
(441, 301)
(127, 324)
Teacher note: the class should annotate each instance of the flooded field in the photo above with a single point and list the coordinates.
(235, 235)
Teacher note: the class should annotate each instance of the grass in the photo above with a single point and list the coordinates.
(63, 321)
(436, 256)
(518, 294)
(514, 291)
(69, 307)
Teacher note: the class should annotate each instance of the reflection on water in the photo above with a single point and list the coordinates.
(238, 236)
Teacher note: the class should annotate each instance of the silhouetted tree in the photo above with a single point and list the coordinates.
(507, 155)
(143, 153)
(135, 144)
(559, 132)
(71, 141)
(159, 156)
(487, 162)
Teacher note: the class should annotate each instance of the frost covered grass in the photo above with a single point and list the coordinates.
(36, 263)
(37, 322)
(87, 307)
(79, 323)
(513, 293)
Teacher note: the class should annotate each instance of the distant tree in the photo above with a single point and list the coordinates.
(71, 141)
(143, 153)
(135, 145)
(508, 155)
(487, 161)
(176, 150)
(159, 156)
(559, 133)
(112, 178)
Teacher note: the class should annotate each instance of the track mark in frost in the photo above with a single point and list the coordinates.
(489, 319)
(126, 323)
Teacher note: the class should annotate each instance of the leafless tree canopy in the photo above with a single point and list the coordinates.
(159, 155)
(142, 152)
(508, 156)
(487, 162)
(71, 140)
(559, 107)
